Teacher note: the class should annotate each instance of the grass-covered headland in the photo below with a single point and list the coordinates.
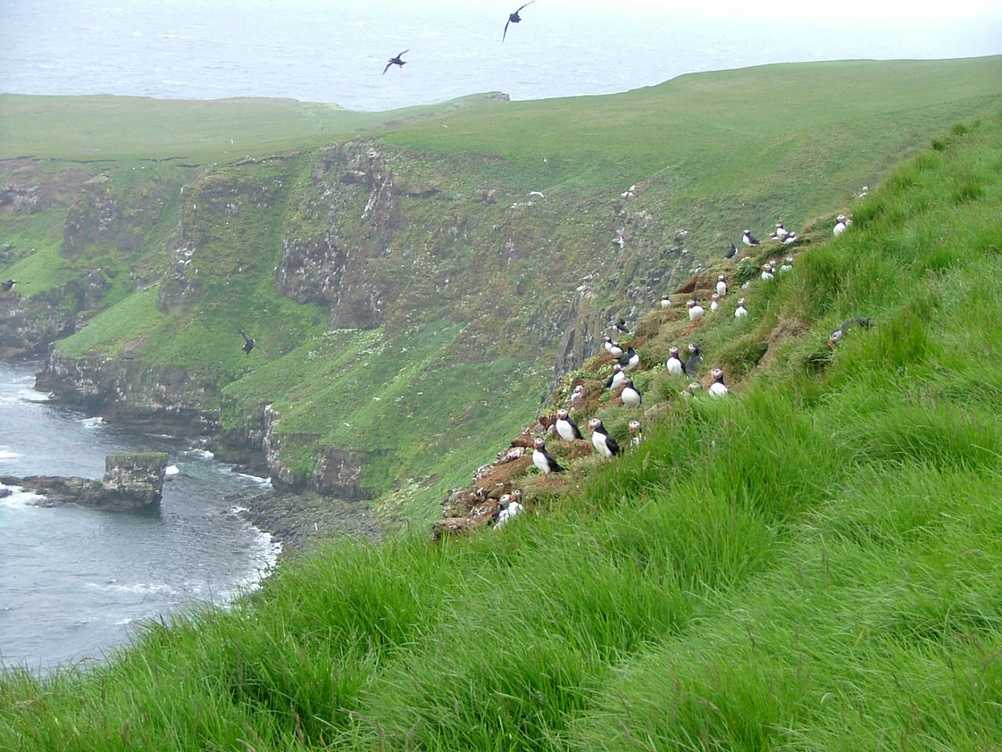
(812, 563)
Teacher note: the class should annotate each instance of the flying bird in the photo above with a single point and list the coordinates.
(249, 343)
(515, 18)
(396, 60)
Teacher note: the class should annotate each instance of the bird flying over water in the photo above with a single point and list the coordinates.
(396, 60)
(515, 18)
(249, 342)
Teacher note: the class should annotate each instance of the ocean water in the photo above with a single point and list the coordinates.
(75, 582)
(334, 50)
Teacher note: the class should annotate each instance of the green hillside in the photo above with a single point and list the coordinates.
(808, 564)
(409, 297)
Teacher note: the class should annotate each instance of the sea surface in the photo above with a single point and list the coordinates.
(75, 583)
(334, 50)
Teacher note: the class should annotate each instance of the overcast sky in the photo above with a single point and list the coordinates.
(334, 50)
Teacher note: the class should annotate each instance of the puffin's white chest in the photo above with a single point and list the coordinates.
(598, 441)
(565, 430)
(714, 305)
(618, 379)
(766, 276)
(741, 312)
(718, 390)
(514, 509)
(630, 397)
(839, 229)
(721, 288)
(695, 313)
(674, 366)
(540, 461)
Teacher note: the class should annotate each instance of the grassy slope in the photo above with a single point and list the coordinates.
(840, 125)
(139, 128)
(811, 564)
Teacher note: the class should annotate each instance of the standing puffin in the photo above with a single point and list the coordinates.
(636, 437)
(740, 312)
(612, 347)
(674, 365)
(718, 388)
(630, 395)
(617, 378)
(630, 359)
(767, 274)
(8, 285)
(721, 285)
(732, 252)
(714, 302)
(543, 460)
(510, 507)
(781, 232)
(840, 225)
(665, 302)
(748, 239)
(790, 239)
(695, 359)
(695, 310)
(787, 265)
(604, 444)
(567, 429)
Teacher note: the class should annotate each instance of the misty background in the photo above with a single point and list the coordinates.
(334, 50)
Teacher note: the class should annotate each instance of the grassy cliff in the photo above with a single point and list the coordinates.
(409, 297)
(809, 564)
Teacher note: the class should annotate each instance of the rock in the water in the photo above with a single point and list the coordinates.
(132, 481)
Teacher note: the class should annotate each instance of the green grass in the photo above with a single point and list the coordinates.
(811, 564)
(105, 128)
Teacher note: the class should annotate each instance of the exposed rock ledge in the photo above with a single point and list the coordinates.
(131, 482)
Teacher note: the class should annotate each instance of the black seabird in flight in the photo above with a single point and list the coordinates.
(249, 343)
(515, 18)
(396, 60)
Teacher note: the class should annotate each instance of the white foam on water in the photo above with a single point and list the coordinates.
(30, 395)
(137, 588)
(205, 454)
(19, 499)
(172, 471)
(238, 510)
(263, 482)
(92, 422)
(6, 454)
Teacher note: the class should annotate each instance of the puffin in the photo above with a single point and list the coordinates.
(693, 389)
(621, 327)
(510, 507)
(674, 365)
(567, 429)
(835, 337)
(397, 60)
(840, 225)
(543, 460)
(732, 252)
(249, 343)
(714, 302)
(787, 265)
(630, 359)
(695, 359)
(740, 312)
(721, 285)
(781, 232)
(718, 388)
(515, 18)
(748, 238)
(636, 437)
(767, 273)
(630, 395)
(8, 285)
(665, 302)
(617, 378)
(790, 239)
(604, 444)
(612, 348)
(695, 310)
(578, 394)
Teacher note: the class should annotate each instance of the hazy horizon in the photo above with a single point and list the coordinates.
(335, 52)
